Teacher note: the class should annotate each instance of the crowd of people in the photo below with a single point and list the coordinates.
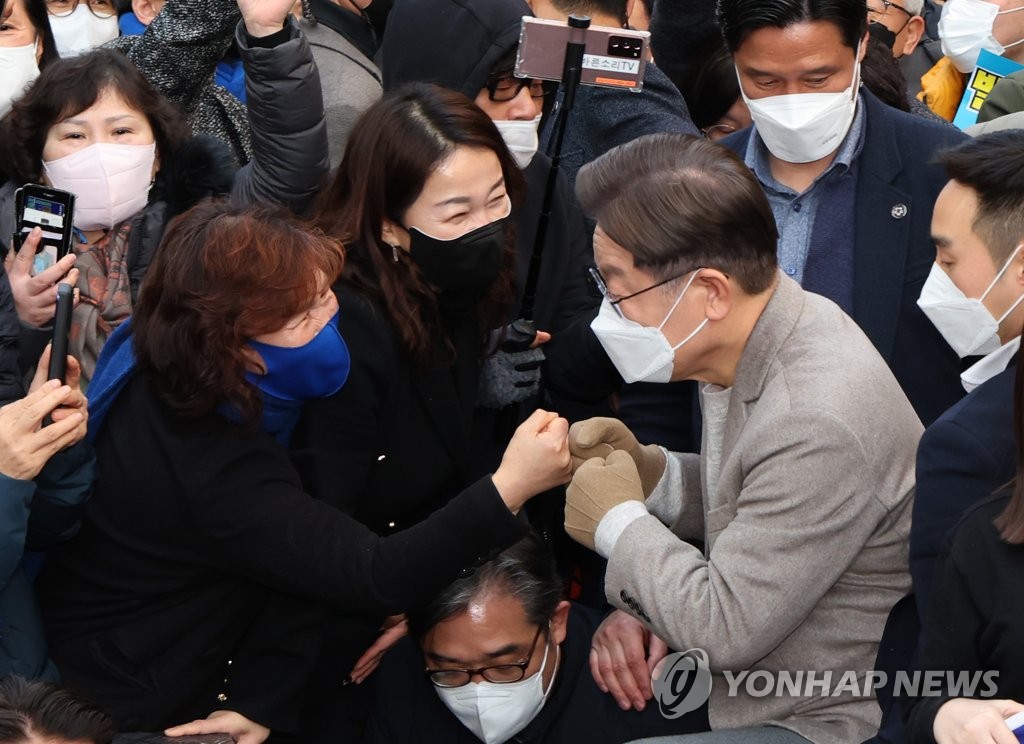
(410, 399)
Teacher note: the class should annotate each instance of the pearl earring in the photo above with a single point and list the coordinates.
(394, 253)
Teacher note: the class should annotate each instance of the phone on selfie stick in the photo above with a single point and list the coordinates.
(607, 57)
(521, 333)
(51, 210)
(58, 368)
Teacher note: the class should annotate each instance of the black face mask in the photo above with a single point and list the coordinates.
(470, 262)
(881, 35)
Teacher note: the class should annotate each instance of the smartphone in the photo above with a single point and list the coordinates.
(53, 211)
(614, 57)
(61, 329)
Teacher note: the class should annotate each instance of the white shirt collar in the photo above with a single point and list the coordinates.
(990, 365)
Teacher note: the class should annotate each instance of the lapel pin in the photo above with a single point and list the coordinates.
(899, 211)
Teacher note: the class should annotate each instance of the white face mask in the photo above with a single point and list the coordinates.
(965, 323)
(640, 353)
(497, 712)
(80, 30)
(110, 182)
(965, 28)
(804, 127)
(520, 138)
(18, 68)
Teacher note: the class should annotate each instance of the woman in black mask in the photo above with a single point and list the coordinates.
(421, 201)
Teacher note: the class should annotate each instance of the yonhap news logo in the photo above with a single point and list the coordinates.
(682, 682)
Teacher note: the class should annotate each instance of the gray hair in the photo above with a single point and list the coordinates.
(526, 571)
(678, 202)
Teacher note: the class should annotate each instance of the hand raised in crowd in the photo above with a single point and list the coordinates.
(36, 296)
(536, 459)
(598, 437)
(970, 721)
(623, 656)
(241, 729)
(597, 487)
(393, 630)
(264, 17)
(25, 444)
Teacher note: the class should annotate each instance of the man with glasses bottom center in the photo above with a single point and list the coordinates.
(500, 656)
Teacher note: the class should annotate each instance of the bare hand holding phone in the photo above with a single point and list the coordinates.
(35, 297)
(25, 444)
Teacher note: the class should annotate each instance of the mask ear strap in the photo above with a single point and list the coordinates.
(678, 300)
(1009, 260)
(1013, 307)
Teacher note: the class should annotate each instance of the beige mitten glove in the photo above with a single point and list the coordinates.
(598, 437)
(597, 488)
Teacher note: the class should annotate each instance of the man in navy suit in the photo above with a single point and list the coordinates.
(851, 181)
(975, 297)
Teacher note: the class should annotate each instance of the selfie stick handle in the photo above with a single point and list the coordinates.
(572, 70)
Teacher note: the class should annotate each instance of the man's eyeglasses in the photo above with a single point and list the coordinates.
(500, 674)
(875, 15)
(504, 86)
(99, 8)
(613, 299)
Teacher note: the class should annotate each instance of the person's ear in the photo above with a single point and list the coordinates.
(630, 4)
(915, 32)
(146, 10)
(719, 293)
(560, 622)
(394, 235)
(865, 40)
(1017, 266)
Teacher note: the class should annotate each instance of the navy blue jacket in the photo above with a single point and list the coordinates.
(10, 329)
(965, 457)
(35, 515)
(897, 183)
(603, 118)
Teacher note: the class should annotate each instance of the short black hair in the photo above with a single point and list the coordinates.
(740, 18)
(616, 8)
(48, 711)
(992, 165)
(712, 88)
(677, 202)
(525, 571)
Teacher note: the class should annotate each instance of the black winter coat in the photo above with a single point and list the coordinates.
(200, 547)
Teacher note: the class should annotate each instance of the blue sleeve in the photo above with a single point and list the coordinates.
(15, 501)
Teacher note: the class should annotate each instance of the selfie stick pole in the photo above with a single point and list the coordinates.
(523, 331)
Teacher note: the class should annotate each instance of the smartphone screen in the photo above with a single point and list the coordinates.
(49, 215)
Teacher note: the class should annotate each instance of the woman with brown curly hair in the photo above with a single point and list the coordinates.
(195, 587)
